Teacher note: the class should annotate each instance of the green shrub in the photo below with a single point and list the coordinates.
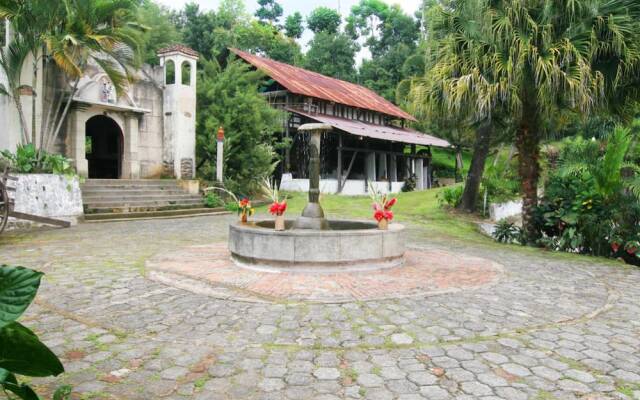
(22, 352)
(591, 205)
(28, 160)
(409, 183)
(212, 200)
(507, 232)
(451, 195)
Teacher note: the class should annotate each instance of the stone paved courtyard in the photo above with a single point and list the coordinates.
(551, 328)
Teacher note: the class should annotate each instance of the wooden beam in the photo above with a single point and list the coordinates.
(339, 169)
(341, 181)
(37, 218)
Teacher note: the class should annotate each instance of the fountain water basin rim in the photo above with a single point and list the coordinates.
(348, 245)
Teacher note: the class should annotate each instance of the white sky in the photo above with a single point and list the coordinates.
(303, 6)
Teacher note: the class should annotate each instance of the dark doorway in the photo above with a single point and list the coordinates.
(103, 148)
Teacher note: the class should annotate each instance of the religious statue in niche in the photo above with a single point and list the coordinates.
(107, 94)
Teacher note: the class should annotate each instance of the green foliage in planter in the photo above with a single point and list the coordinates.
(507, 232)
(28, 160)
(21, 352)
(451, 195)
(212, 200)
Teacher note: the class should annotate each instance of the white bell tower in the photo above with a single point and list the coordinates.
(179, 107)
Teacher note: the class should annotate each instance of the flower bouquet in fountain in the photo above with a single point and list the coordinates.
(382, 207)
(278, 207)
(245, 210)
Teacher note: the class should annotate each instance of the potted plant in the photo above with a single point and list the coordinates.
(245, 210)
(277, 207)
(382, 207)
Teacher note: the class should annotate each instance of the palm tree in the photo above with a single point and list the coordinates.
(71, 35)
(456, 48)
(540, 56)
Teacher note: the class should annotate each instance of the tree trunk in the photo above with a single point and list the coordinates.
(476, 169)
(459, 165)
(528, 145)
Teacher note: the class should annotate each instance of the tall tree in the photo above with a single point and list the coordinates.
(332, 55)
(230, 98)
(270, 11)
(541, 56)
(161, 30)
(293, 25)
(390, 35)
(324, 19)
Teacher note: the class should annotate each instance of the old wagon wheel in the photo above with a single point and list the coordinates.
(4, 205)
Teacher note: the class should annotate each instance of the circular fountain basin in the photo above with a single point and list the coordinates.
(346, 246)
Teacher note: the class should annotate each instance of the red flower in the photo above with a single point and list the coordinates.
(244, 202)
(390, 203)
(378, 215)
(278, 208)
(615, 246)
(388, 215)
(632, 250)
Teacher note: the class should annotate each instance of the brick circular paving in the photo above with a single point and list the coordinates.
(552, 327)
(209, 270)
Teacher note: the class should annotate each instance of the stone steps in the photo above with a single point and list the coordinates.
(124, 198)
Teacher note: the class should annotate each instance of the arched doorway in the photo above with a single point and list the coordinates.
(104, 144)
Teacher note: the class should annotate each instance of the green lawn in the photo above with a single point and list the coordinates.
(415, 207)
(421, 209)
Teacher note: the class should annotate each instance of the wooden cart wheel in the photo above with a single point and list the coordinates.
(4, 206)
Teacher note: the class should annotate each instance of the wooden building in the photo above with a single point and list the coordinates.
(370, 142)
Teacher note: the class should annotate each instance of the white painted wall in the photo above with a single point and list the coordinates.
(505, 210)
(351, 187)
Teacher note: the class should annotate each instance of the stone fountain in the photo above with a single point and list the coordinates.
(312, 243)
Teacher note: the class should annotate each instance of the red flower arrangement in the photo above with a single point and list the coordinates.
(382, 207)
(278, 208)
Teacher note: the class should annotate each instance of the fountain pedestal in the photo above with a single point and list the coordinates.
(313, 216)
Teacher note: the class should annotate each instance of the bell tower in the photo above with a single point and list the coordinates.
(179, 107)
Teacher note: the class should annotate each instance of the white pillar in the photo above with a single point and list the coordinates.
(419, 173)
(393, 169)
(130, 160)
(219, 160)
(76, 137)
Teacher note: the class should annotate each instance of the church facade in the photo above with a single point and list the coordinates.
(146, 132)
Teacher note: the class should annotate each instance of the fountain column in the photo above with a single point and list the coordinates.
(313, 216)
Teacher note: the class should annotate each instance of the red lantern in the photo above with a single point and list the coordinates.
(220, 134)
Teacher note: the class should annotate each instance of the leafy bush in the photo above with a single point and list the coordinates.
(507, 232)
(591, 203)
(212, 200)
(22, 351)
(29, 160)
(409, 183)
(451, 195)
(500, 179)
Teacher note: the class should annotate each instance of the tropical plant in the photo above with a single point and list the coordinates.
(27, 159)
(532, 59)
(507, 232)
(591, 202)
(68, 35)
(212, 200)
(610, 172)
(21, 352)
(270, 189)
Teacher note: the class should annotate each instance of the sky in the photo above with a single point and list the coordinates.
(303, 6)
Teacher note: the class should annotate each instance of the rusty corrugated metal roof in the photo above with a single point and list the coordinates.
(392, 133)
(307, 83)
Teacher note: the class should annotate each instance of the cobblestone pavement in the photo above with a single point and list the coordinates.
(550, 329)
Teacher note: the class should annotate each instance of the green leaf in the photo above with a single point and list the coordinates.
(18, 287)
(21, 352)
(9, 382)
(62, 393)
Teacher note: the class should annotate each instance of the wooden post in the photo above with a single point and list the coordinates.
(339, 169)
